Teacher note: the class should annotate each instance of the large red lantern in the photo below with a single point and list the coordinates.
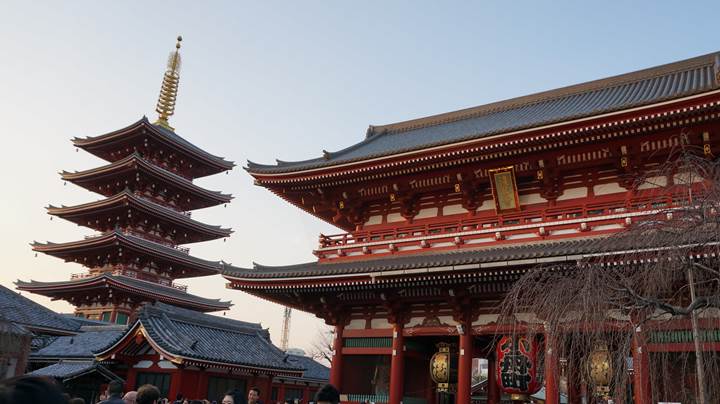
(517, 365)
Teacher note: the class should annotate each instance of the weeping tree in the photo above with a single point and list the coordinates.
(661, 268)
(321, 348)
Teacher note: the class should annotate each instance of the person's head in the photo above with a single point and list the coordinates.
(179, 397)
(253, 395)
(147, 394)
(31, 389)
(130, 397)
(115, 388)
(76, 400)
(327, 394)
(234, 396)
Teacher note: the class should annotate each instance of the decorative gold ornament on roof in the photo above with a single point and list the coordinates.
(168, 92)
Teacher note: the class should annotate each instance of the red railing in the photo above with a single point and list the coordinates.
(130, 274)
(545, 216)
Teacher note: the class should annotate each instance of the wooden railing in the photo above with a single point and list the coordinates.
(130, 274)
(544, 216)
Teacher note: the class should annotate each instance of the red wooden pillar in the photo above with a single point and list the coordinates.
(397, 365)
(281, 392)
(266, 394)
(131, 379)
(337, 359)
(552, 385)
(641, 369)
(493, 390)
(176, 382)
(465, 366)
(202, 383)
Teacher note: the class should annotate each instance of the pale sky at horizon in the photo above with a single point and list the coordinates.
(281, 80)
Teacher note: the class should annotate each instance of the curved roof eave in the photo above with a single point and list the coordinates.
(141, 202)
(164, 134)
(692, 76)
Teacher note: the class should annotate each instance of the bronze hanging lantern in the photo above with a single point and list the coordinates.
(443, 368)
(600, 370)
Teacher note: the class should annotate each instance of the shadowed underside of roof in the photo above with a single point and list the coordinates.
(644, 87)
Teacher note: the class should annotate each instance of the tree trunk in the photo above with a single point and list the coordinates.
(696, 340)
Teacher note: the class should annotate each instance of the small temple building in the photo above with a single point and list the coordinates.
(143, 221)
(438, 216)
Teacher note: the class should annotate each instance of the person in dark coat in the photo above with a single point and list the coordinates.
(234, 396)
(115, 393)
(31, 389)
(327, 394)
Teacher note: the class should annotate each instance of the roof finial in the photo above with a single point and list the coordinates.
(168, 92)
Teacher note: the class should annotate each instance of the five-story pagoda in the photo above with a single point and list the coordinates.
(145, 217)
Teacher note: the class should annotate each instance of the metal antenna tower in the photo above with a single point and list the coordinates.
(285, 329)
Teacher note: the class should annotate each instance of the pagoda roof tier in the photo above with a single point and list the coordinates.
(117, 145)
(121, 174)
(191, 338)
(109, 286)
(126, 206)
(599, 98)
(97, 251)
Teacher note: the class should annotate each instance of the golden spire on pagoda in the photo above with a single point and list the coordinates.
(168, 92)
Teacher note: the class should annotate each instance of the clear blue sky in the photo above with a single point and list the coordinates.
(285, 80)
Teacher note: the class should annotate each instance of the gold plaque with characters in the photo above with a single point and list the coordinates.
(504, 189)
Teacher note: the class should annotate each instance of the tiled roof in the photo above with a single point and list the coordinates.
(202, 337)
(644, 87)
(511, 252)
(135, 161)
(70, 370)
(21, 310)
(151, 290)
(117, 237)
(314, 370)
(80, 346)
(164, 134)
(126, 196)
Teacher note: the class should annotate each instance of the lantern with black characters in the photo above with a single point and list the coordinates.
(517, 366)
(443, 368)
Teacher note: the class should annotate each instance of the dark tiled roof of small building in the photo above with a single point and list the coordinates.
(150, 289)
(631, 90)
(314, 370)
(80, 346)
(510, 252)
(203, 337)
(34, 316)
(70, 370)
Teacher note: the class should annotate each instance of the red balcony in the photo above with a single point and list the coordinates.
(491, 228)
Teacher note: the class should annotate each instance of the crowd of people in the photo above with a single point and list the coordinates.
(36, 390)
